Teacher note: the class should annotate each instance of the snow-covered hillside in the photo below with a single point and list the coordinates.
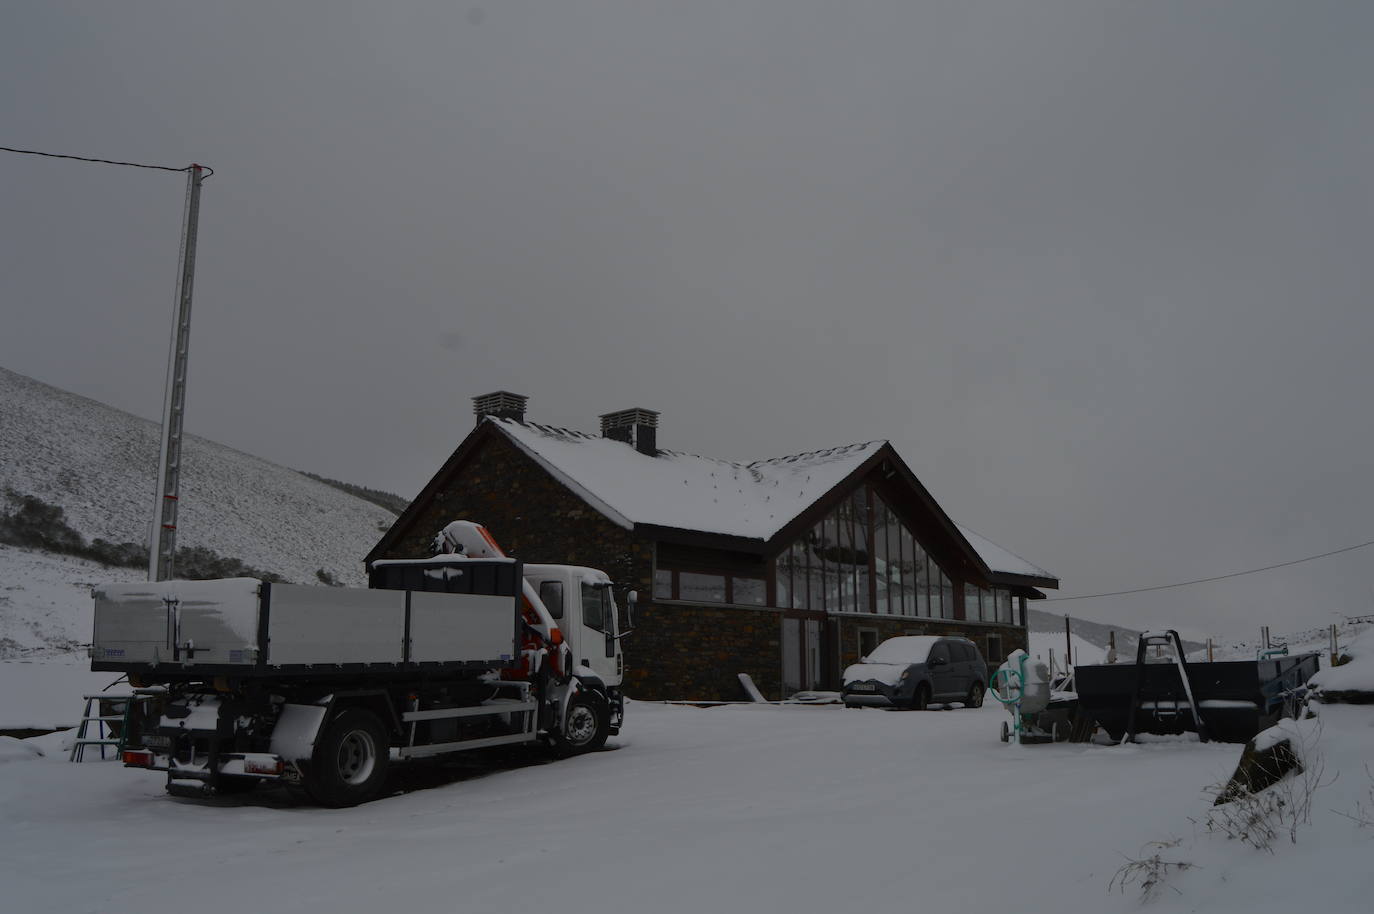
(97, 463)
(1090, 639)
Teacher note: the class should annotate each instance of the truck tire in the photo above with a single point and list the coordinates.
(586, 726)
(350, 761)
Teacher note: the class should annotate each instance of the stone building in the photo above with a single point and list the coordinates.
(786, 569)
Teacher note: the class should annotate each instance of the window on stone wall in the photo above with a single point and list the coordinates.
(701, 588)
(748, 591)
(868, 641)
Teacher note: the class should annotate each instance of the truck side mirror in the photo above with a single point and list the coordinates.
(631, 599)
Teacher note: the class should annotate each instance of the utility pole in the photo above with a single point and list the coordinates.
(163, 543)
(1068, 644)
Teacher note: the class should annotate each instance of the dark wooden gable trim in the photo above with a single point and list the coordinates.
(894, 481)
(826, 503)
(466, 448)
(922, 514)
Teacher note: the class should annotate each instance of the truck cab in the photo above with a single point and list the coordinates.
(580, 600)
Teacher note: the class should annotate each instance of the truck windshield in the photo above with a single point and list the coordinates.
(598, 611)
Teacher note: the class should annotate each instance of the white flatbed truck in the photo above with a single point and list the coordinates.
(240, 681)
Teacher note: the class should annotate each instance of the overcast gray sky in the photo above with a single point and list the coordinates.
(1100, 270)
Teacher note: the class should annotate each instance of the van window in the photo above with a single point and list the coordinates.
(551, 594)
(938, 651)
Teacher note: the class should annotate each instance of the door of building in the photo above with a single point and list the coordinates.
(791, 657)
(803, 652)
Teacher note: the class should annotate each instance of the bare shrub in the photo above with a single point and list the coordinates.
(1151, 872)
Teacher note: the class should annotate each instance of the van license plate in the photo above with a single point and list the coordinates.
(863, 687)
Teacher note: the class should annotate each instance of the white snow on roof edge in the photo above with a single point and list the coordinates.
(999, 559)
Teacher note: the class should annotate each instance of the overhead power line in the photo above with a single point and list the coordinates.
(58, 155)
(1220, 577)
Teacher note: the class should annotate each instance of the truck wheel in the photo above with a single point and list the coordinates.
(975, 696)
(350, 760)
(921, 698)
(587, 725)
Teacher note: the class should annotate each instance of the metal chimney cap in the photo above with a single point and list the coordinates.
(627, 417)
(499, 402)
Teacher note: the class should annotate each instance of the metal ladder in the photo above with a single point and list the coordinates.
(1170, 639)
(102, 723)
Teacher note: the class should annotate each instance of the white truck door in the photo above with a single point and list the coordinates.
(597, 641)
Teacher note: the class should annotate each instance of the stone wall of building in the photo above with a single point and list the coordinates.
(696, 653)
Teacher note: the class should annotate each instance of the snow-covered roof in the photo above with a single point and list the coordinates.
(999, 559)
(752, 500)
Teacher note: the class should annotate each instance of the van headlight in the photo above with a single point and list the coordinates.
(905, 674)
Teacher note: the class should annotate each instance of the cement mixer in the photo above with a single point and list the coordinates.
(1022, 685)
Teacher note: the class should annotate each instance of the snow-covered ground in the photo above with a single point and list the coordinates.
(45, 601)
(47, 694)
(737, 808)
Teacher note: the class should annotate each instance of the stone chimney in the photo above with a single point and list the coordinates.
(501, 404)
(636, 427)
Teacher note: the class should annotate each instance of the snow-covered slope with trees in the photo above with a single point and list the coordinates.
(98, 465)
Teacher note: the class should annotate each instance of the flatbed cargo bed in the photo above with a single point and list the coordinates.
(246, 628)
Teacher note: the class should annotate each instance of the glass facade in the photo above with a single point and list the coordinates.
(862, 558)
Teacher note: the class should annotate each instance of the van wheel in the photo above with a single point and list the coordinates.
(975, 696)
(921, 699)
(350, 760)
(585, 728)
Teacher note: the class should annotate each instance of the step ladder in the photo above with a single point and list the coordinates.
(1162, 702)
(104, 709)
